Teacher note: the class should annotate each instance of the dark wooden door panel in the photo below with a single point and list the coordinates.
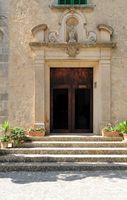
(71, 99)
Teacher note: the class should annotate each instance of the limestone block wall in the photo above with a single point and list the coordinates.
(26, 14)
(4, 55)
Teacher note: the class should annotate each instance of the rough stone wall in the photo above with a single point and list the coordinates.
(26, 14)
(4, 53)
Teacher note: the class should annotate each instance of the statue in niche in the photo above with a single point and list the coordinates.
(71, 30)
(72, 35)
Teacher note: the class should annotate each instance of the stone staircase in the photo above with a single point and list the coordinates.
(52, 153)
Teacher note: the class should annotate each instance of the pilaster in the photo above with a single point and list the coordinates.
(105, 92)
(39, 88)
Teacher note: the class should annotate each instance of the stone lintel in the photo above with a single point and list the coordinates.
(37, 45)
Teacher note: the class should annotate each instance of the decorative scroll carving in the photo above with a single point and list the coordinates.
(53, 37)
(92, 38)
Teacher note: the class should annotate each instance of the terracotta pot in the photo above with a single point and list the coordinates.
(110, 133)
(125, 136)
(4, 145)
(36, 133)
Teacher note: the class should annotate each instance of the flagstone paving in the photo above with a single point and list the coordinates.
(87, 185)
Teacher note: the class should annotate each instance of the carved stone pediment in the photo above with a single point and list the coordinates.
(72, 49)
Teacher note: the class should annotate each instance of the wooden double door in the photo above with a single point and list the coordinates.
(71, 100)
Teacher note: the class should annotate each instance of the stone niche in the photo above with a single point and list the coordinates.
(40, 32)
(105, 32)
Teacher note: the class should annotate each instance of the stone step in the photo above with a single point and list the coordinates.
(44, 167)
(62, 158)
(68, 151)
(75, 138)
(74, 144)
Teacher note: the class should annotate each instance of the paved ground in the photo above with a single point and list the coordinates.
(100, 185)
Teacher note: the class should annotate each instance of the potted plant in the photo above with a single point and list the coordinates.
(110, 131)
(5, 135)
(18, 135)
(40, 132)
(122, 128)
(5, 141)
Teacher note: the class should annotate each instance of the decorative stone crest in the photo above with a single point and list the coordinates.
(72, 49)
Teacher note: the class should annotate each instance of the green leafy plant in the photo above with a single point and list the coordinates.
(5, 138)
(37, 129)
(110, 127)
(18, 135)
(5, 127)
(122, 127)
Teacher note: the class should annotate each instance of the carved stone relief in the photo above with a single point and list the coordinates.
(72, 49)
(53, 37)
(71, 30)
(72, 33)
(92, 38)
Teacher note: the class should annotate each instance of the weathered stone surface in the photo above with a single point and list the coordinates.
(4, 97)
(4, 57)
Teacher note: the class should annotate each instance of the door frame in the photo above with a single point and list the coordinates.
(71, 93)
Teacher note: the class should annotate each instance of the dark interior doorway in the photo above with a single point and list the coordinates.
(71, 99)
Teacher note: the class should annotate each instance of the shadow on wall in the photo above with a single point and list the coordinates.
(31, 177)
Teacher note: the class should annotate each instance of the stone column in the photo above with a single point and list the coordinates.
(105, 93)
(39, 88)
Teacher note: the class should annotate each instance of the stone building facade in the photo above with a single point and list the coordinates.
(44, 38)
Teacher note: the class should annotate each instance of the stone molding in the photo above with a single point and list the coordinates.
(65, 45)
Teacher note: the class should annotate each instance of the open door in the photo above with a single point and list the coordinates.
(72, 100)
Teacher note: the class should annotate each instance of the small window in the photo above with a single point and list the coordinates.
(72, 2)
